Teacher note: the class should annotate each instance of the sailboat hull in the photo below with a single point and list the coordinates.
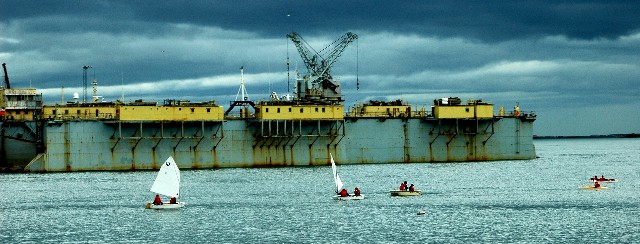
(352, 197)
(165, 206)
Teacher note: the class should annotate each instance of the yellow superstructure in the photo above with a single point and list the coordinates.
(137, 111)
(382, 109)
(472, 110)
(170, 113)
(299, 112)
(85, 111)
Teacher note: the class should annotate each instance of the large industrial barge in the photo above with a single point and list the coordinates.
(303, 131)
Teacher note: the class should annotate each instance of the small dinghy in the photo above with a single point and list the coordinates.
(167, 183)
(604, 180)
(339, 184)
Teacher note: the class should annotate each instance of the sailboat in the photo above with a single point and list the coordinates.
(339, 184)
(167, 183)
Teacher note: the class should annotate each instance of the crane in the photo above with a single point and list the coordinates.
(318, 83)
(6, 76)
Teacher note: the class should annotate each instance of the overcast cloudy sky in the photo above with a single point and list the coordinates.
(576, 64)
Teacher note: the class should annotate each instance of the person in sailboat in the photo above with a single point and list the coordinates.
(344, 193)
(173, 200)
(356, 192)
(411, 188)
(403, 186)
(157, 200)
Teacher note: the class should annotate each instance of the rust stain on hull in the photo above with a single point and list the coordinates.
(365, 141)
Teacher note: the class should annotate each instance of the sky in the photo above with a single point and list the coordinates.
(575, 64)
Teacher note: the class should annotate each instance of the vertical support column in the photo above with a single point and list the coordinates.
(67, 147)
(40, 145)
(407, 152)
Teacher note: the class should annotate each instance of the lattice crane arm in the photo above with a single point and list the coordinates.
(311, 57)
(335, 53)
(309, 60)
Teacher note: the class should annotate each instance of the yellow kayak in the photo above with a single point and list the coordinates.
(405, 193)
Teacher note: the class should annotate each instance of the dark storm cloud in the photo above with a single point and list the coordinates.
(567, 60)
(483, 20)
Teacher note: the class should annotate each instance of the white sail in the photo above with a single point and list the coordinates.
(338, 183)
(333, 167)
(168, 180)
(336, 177)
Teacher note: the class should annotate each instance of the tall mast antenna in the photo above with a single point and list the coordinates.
(84, 82)
(242, 91)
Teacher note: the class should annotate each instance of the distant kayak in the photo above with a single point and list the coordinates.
(593, 187)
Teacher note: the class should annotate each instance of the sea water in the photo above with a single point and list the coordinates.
(535, 201)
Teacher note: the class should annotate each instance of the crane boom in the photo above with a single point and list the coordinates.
(310, 56)
(320, 85)
(307, 57)
(6, 76)
(335, 53)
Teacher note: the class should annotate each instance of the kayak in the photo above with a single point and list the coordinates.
(593, 187)
(405, 193)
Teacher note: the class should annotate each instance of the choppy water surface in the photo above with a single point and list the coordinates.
(507, 201)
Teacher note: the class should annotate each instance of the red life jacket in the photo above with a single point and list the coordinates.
(157, 200)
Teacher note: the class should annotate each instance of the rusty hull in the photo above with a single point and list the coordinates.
(144, 145)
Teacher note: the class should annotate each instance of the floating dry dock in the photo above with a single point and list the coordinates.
(114, 137)
(81, 136)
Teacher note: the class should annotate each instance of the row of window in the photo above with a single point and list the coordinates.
(193, 110)
(266, 110)
(18, 112)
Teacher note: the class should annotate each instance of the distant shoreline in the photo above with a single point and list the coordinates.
(632, 135)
